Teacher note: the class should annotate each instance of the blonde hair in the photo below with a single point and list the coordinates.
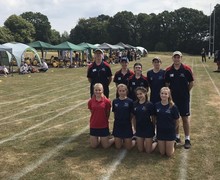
(170, 100)
(123, 86)
(98, 85)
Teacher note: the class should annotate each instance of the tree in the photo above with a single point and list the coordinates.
(190, 27)
(92, 30)
(55, 37)
(41, 24)
(22, 30)
(64, 36)
(5, 35)
(122, 28)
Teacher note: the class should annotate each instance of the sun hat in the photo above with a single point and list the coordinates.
(177, 53)
(98, 50)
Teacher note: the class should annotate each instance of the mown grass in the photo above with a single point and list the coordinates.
(44, 129)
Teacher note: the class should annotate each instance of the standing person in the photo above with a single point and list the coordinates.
(179, 78)
(100, 107)
(99, 72)
(122, 108)
(167, 116)
(136, 80)
(217, 60)
(122, 76)
(156, 80)
(203, 54)
(143, 112)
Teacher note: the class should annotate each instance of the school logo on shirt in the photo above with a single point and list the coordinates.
(168, 111)
(160, 77)
(182, 75)
(151, 78)
(158, 110)
(94, 70)
(144, 108)
(126, 104)
(103, 69)
(141, 84)
(119, 78)
(133, 83)
(171, 75)
(116, 105)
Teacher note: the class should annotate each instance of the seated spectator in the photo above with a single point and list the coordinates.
(4, 70)
(44, 67)
(24, 68)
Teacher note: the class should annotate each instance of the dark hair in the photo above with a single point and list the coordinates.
(137, 64)
(143, 90)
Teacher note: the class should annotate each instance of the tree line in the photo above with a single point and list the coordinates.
(184, 29)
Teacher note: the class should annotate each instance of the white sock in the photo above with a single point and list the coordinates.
(178, 136)
(187, 138)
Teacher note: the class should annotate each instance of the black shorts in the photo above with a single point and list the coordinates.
(183, 107)
(146, 131)
(122, 131)
(166, 134)
(103, 132)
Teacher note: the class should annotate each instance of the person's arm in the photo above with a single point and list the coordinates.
(153, 119)
(109, 79)
(90, 80)
(190, 85)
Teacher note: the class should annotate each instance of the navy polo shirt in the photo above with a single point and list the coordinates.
(133, 83)
(166, 116)
(156, 82)
(99, 74)
(179, 81)
(120, 78)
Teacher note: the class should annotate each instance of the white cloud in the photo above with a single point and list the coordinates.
(64, 14)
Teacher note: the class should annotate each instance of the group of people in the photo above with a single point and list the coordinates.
(28, 68)
(140, 121)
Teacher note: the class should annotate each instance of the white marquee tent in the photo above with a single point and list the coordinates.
(18, 50)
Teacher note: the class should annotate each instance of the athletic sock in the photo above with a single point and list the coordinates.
(178, 136)
(187, 138)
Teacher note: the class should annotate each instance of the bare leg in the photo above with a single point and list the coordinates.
(106, 142)
(169, 148)
(162, 147)
(94, 141)
(186, 123)
(140, 144)
(118, 143)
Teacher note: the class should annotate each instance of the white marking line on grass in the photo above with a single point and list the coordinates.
(56, 126)
(35, 106)
(184, 153)
(39, 94)
(46, 156)
(213, 83)
(114, 165)
(15, 136)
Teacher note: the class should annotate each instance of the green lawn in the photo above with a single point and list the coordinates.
(44, 129)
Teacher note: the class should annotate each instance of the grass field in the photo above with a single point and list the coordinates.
(44, 130)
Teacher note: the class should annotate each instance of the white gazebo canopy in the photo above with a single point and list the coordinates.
(18, 50)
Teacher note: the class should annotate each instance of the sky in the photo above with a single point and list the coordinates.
(63, 15)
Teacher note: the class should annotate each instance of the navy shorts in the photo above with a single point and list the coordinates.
(166, 134)
(183, 107)
(122, 131)
(103, 132)
(147, 131)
